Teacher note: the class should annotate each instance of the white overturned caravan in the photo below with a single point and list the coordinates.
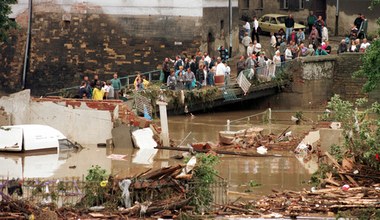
(30, 137)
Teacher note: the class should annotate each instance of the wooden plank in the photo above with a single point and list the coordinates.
(332, 159)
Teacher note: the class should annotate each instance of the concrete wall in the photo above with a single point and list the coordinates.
(17, 105)
(317, 79)
(83, 124)
(330, 137)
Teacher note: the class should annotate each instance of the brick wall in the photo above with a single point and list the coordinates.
(344, 84)
(65, 46)
(11, 61)
(63, 51)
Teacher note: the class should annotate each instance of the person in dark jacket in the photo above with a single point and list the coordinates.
(289, 24)
(240, 64)
(358, 21)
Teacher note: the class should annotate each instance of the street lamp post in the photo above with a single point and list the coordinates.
(230, 26)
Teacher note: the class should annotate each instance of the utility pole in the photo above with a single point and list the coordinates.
(27, 46)
(337, 18)
(230, 26)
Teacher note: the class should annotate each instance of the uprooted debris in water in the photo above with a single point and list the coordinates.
(323, 202)
(254, 138)
(161, 193)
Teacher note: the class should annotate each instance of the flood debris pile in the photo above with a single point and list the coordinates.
(254, 138)
(163, 193)
(323, 202)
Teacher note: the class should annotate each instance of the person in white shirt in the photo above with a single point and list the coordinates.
(288, 53)
(207, 59)
(220, 68)
(255, 29)
(277, 58)
(106, 90)
(325, 34)
(227, 74)
(250, 49)
(364, 45)
(273, 43)
(247, 27)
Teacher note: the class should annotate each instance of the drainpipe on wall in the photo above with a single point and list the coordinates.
(27, 46)
(230, 26)
(337, 18)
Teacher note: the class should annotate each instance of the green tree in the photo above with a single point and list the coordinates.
(371, 60)
(5, 23)
(361, 130)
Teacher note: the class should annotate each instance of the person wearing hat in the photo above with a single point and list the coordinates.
(257, 46)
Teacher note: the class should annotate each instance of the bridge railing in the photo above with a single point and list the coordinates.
(126, 82)
(272, 70)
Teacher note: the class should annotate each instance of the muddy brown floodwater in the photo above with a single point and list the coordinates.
(282, 172)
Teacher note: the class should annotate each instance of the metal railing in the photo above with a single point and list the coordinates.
(126, 82)
(59, 191)
(71, 190)
(218, 190)
(262, 117)
(269, 117)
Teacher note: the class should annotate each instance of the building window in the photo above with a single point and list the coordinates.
(301, 6)
(261, 4)
(284, 4)
(245, 3)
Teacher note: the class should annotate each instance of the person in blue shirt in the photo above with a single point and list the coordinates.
(116, 84)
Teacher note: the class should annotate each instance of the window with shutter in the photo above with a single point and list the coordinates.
(284, 4)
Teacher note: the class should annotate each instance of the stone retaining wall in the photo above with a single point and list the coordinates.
(317, 79)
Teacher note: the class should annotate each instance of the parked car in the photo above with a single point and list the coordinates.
(274, 22)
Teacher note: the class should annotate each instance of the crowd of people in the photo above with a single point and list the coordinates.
(189, 72)
(99, 90)
(357, 39)
(195, 72)
(289, 44)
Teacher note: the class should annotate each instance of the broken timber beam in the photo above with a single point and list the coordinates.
(245, 154)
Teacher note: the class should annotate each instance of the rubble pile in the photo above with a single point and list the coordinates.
(340, 186)
(323, 202)
(254, 138)
(158, 192)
